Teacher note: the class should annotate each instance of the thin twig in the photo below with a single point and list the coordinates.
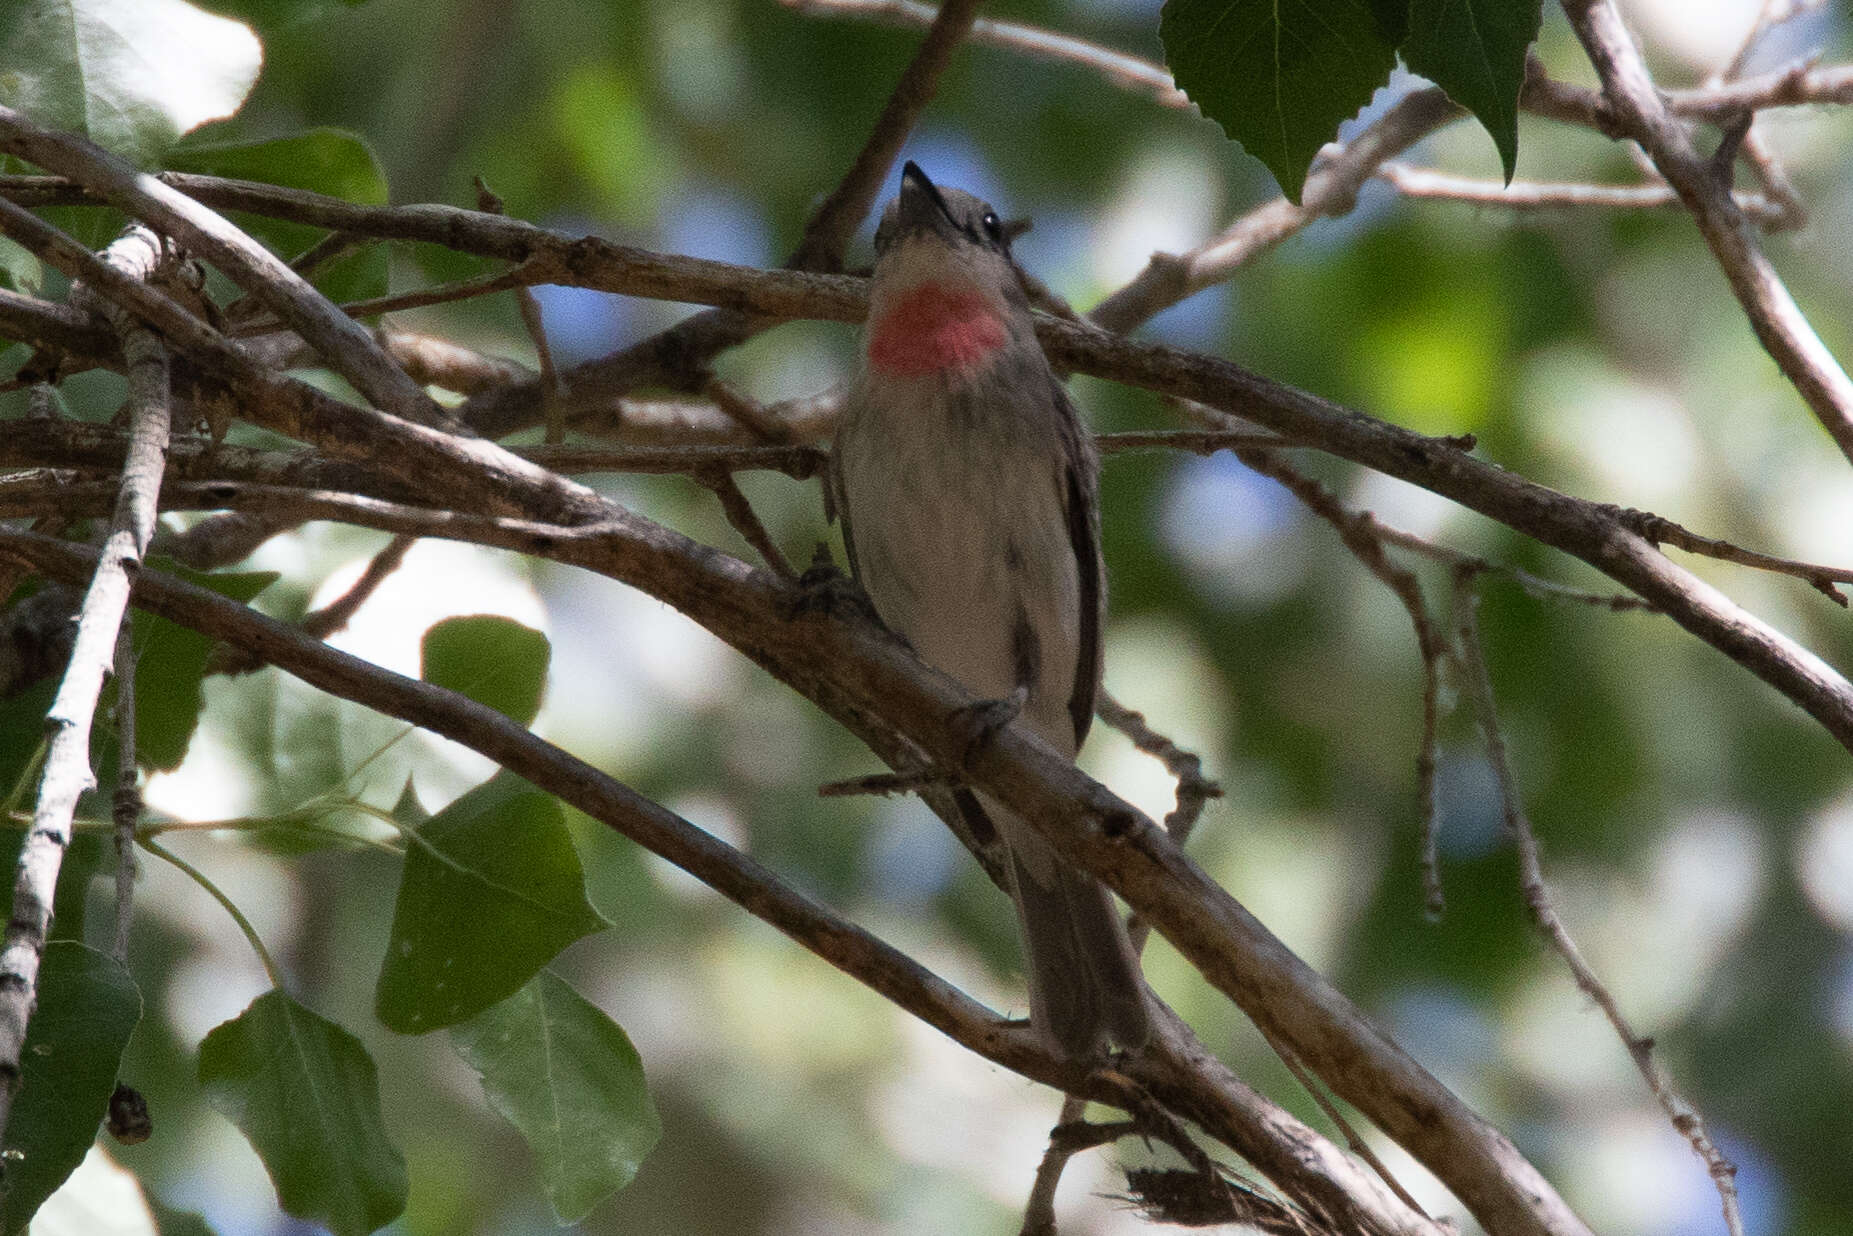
(1123, 69)
(885, 784)
(1331, 189)
(126, 804)
(245, 926)
(1362, 535)
(746, 521)
(835, 220)
(1663, 531)
(1353, 1141)
(1069, 1137)
(1685, 1118)
(332, 617)
(1526, 195)
(531, 321)
(1194, 789)
(518, 278)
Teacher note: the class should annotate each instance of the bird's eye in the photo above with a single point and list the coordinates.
(992, 227)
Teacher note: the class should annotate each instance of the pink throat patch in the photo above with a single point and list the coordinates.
(935, 329)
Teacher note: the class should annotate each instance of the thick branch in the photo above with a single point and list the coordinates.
(1179, 1071)
(866, 679)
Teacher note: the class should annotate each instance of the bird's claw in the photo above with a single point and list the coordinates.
(981, 721)
(824, 589)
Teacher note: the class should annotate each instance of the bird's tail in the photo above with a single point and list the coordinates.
(1084, 981)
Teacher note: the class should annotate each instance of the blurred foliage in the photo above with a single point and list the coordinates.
(1689, 818)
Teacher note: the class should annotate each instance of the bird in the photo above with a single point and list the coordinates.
(968, 493)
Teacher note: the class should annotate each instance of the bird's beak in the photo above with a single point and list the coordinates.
(922, 208)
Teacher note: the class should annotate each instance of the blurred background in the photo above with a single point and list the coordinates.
(1697, 828)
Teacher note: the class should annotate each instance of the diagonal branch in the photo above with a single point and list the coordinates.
(347, 345)
(1179, 1071)
(867, 680)
(1684, 1117)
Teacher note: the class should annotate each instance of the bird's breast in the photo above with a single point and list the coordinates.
(934, 328)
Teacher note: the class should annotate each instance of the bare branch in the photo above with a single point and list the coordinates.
(330, 618)
(1362, 536)
(1178, 1071)
(1331, 189)
(67, 771)
(745, 521)
(1193, 788)
(1128, 71)
(1778, 322)
(348, 347)
(827, 234)
(1528, 195)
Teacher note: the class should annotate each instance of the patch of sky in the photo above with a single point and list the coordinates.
(582, 323)
(1230, 529)
(716, 223)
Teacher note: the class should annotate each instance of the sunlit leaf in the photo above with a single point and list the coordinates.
(131, 75)
(171, 666)
(492, 890)
(566, 1076)
(493, 660)
(87, 1008)
(306, 1094)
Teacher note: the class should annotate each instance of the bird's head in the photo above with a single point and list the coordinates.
(946, 293)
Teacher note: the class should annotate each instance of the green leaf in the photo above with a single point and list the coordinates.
(305, 1093)
(131, 75)
(20, 271)
(493, 660)
(566, 1076)
(1475, 50)
(1280, 77)
(328, 161)
(171, 666)
(492, 890)
(179, 1222)
(87, 1008)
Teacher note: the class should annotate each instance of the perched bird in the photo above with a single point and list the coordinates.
(969, 496)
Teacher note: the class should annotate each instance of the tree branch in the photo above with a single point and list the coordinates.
(1685, 1118)
(868, 681)
(67, 771)
(347, 345)
(1778, 322)
(1298, 1160)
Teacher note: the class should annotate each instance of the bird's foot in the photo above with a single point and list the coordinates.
(981, 721)
(824, 589)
